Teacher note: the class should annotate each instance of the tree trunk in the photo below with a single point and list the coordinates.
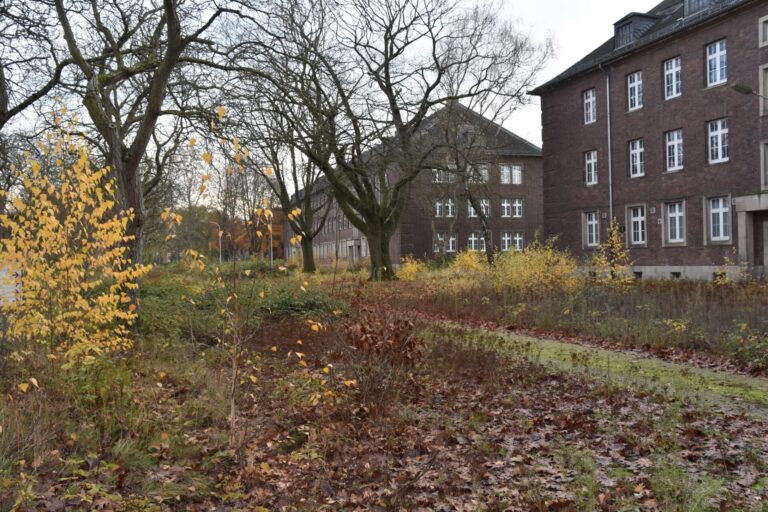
(307, 256)
(489, 252)
(378, 246)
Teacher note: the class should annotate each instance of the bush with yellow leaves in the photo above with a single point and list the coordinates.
(540, 269)
(468, 261)
(411, 269)
(611, 265)
(68, 239)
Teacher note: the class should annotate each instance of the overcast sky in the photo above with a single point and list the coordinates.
(576, 28)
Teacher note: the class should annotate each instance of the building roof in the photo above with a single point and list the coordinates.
(499, 140)
(670, 20)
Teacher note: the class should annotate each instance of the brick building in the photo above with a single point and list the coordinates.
(505, 178)
(663, 128)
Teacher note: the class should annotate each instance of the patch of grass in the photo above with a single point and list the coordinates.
(676, 491)
(623, 367)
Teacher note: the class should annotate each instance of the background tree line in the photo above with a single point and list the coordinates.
(331, 98)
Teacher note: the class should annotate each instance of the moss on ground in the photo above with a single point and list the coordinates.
(625, 367)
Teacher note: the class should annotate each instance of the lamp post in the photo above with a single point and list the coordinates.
(220, 234)
(747, 90)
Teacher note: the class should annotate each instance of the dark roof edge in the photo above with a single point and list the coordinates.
(631, 50)
(525, 142)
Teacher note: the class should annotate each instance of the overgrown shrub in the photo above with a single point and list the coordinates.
(468, 261)
(69, 241)
(411, 269)
(539, 270)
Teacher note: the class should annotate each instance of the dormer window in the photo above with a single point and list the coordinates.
(694, 6)
(623, 35)
(631, 27)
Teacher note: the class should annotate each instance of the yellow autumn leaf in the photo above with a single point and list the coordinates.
(34, 382)
(274, 348)
(192, 141)
(269, 171)
(252, 379)
(207, 158)
(23, 387)
(221, 111)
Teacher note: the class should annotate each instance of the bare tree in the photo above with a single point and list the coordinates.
(364, 76)
(295, 180)
(126, 53)
(31, 59)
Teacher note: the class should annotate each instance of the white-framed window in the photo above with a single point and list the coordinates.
(506, 208)
(763, 90)
(439, 208)
(452, 244)
(476, 241)
(590, 106)
(449, 208)
(517, 174)
(592, 227)
(519, 240)
(517, 208)
(511, 174)
(485, 206)
(479, 174)
(717, 63)
(763, 31)
(673, 78)
(442, 176)
(636, 158)
(719, 219)
(718, 141)
(675, 222)
(590, 167)
(445, 243)
(674, 140)
(439, 242)
(635, 90)
(505, 174)
(764, 164)
(637, 225)
(506, 241)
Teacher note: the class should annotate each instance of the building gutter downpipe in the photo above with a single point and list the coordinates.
(610, 139)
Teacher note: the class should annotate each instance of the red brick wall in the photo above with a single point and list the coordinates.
(565, 138)
(417, 223)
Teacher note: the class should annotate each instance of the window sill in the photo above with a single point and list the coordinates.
(590, 185)
(673, 171)
(675, 244)
(717, 162)
(636, 177)
(633, 110)
(716, 85)
(671, 98)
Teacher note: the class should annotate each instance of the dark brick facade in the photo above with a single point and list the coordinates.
(492, 146)
(566, 137)
(419, 222)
